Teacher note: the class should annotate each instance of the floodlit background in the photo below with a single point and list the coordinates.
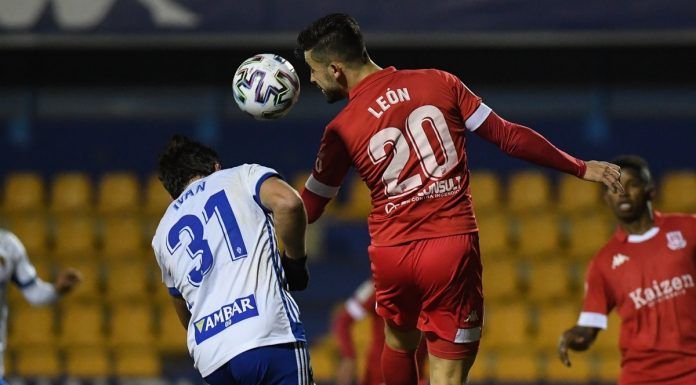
(90, 91)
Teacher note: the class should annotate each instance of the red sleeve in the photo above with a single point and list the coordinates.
(598, 300)
(524, 143)
(331, 166)
(342, 330)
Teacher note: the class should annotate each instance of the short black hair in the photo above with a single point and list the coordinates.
(637, 165)
(182, 160)
(333, 36)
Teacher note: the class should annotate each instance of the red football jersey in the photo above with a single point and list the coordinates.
(650, 280)
(405, 133)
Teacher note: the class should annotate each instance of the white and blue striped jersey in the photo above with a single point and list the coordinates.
(217, 249)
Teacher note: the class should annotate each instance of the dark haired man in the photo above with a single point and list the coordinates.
(216, 245)
(405, 133)
(646, 272)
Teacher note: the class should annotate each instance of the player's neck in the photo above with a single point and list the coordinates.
(361, 73)
(639, 226)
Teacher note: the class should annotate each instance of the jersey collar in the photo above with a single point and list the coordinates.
(369, 79)
(623, 237)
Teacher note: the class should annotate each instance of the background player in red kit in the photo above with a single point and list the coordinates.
(358, 307)
(647, 272)
(405, 133)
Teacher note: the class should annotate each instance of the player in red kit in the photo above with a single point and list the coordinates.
(647, 273)
(358, 307)
(405, 131)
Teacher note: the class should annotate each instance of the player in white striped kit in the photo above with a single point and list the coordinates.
(16, 267)
(216, 245)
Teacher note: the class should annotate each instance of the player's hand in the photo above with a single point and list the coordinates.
(67, 280)
(577, 338)
(345, 373)
(604, 172)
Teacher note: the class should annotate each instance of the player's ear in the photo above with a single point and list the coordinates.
(650, 192)
(336, 70)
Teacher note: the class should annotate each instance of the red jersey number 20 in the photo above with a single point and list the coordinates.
(433, 168)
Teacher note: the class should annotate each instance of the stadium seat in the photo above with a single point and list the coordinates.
(549, 280)
(507, 327)
(482, 369)
(608, 366)
(127, 281)
(122, 238)
(587, 235)
(529, 192)
(539, 236)
(37, 362)
(553, 320)
(324, 356)
(118, 193)
(494, 233)
(91, 287)
(359, 203)
(24, 193)
(75, 238)
(576, 196)
(171, 335)
(81, 325)
(137, 362)
(677, 192)
(516, 368)
(157, 199)
(87, 362)
(608, 340)
(580, 371)
(486, 191)
(131, 325)
(32, 327)
(501, 280)
(32, 231)
(71, 193)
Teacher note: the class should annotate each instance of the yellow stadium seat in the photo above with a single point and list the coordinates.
(119, 193)
(516, 367)
(82, 325)
(71, 193)
(481, 371)
(137, 362)
(87, 362)
(608, 340)
(134, 273)
(324, 355)
(579, 372)
(171, 335)
(122, 238)
(678, 192)
(501, 280)
(552, 322)
(75, 238)
(37, 362)
(131, 325)
(157, 199)
(32, 231)
(539, 236)
(91, 287)
(576, 196)
(494, 233)
(486, 191)
(507, 327)
(549, 280)
(529, 192)
(32, 326)
(24, 193)
(359, 203)
(609, 366)
(587, 235)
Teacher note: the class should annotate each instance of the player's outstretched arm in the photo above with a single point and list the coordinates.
(578, 338)
(40, 293)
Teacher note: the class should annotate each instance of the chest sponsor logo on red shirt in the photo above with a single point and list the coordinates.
(661, 291)
(675, 240)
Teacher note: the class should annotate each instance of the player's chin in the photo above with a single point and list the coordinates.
(333, 96)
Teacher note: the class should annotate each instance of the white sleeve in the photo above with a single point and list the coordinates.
(256, 175)
(35, 290)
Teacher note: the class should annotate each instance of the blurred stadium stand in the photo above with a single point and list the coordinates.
(88, 98)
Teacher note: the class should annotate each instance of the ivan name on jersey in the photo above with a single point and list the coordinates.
(226, 316)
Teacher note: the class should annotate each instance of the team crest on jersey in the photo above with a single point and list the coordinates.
(226, 316)
(618, 260)
(675, 240)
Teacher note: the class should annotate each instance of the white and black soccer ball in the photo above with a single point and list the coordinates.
(266, 86)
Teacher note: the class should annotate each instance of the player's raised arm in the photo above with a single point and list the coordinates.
(290, 224)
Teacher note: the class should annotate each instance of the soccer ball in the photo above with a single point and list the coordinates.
(266, 86)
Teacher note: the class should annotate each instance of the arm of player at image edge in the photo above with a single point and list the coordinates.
(524, 143)
(290, 226)
(577, 338)
(38, 292)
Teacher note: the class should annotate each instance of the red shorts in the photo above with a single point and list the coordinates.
(431, 284)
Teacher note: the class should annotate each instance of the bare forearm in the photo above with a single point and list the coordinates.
(290, 225)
